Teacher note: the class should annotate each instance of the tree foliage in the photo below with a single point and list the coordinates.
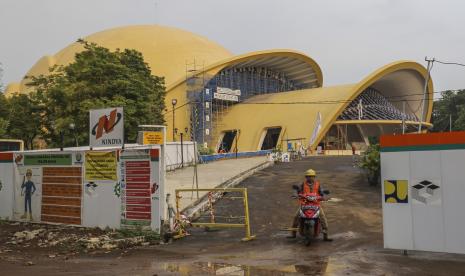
(452, 103)
(98, 78)
(4, 115)
(371, 162)
(24, 120)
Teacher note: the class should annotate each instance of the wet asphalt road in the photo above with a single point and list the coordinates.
(354, 219)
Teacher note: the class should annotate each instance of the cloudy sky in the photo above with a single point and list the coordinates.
(348, 38)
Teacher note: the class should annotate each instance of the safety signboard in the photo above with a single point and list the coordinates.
(106, 127)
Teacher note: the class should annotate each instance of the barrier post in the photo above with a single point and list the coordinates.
(248, 236)
(176, 192)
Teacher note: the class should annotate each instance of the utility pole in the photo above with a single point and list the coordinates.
(173, 103)
(425, 91)
(450, 122)
(182, 151)
(237, 138)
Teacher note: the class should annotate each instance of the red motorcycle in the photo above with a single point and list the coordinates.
(309, 213)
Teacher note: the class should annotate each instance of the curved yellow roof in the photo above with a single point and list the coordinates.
(165, 49)
(296, 111)
(402, 80)
(294, 64)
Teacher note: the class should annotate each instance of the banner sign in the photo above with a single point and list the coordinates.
(229, 91)
(316, 129)
(106, 127)
(226, 97)
(135, 188)
(47, 159)
(100, 165)
(152, 138)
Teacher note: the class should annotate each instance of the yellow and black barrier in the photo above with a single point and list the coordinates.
(212, 223)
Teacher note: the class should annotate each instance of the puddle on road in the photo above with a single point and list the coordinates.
(317, 267)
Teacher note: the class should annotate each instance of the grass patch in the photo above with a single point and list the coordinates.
(149, 236)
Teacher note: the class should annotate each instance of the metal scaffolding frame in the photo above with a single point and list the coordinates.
(372, 105)
(207, 112)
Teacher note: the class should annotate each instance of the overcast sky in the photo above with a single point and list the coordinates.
(348, 38)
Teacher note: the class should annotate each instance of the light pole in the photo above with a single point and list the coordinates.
(182, 146)
(237, 138)
(174, 102)
(425, 90)
(72, 127)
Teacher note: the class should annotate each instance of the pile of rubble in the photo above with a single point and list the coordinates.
(70, 238)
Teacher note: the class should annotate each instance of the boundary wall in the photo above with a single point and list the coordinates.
(116, 188)
(423, 193)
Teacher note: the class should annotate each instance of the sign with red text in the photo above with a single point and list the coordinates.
(106, 127)
(135, 171)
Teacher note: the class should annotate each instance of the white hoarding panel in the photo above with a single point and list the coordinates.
(157, 189)
(436, 190)
(397, 226)
(101, 195)
(101, 204)
(6, 185)
(453, 199)
(106, 127)
(425, 185)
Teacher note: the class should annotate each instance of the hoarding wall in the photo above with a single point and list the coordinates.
(6, 185)
(423, 178)
(111, 188)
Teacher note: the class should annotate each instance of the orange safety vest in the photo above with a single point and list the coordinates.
(306, 187)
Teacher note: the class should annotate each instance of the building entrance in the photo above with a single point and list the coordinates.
(270, 141)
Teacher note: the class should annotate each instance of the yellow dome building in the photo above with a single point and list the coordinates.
(265, 99)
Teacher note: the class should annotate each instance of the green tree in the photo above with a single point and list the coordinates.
(451, 105)
(4, 115)
(98, 78)
(24, 119)
(371, 162)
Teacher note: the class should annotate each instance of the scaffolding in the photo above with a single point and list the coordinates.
(208, 111)
(195, 94)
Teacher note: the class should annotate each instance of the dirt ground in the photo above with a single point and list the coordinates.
(354, 219)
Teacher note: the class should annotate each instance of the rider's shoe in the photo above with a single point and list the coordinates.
(326, 238)
(293, 235)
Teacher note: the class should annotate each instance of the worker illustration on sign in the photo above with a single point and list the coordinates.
(27, 189)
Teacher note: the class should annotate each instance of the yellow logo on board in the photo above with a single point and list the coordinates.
(396, 191)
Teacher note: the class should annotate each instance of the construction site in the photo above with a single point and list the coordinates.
(211, 94)
(247, 140)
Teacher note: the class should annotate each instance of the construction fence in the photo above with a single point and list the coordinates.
(233, 212)
(114, 188)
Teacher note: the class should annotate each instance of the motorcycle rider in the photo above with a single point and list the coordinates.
(311, 185)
